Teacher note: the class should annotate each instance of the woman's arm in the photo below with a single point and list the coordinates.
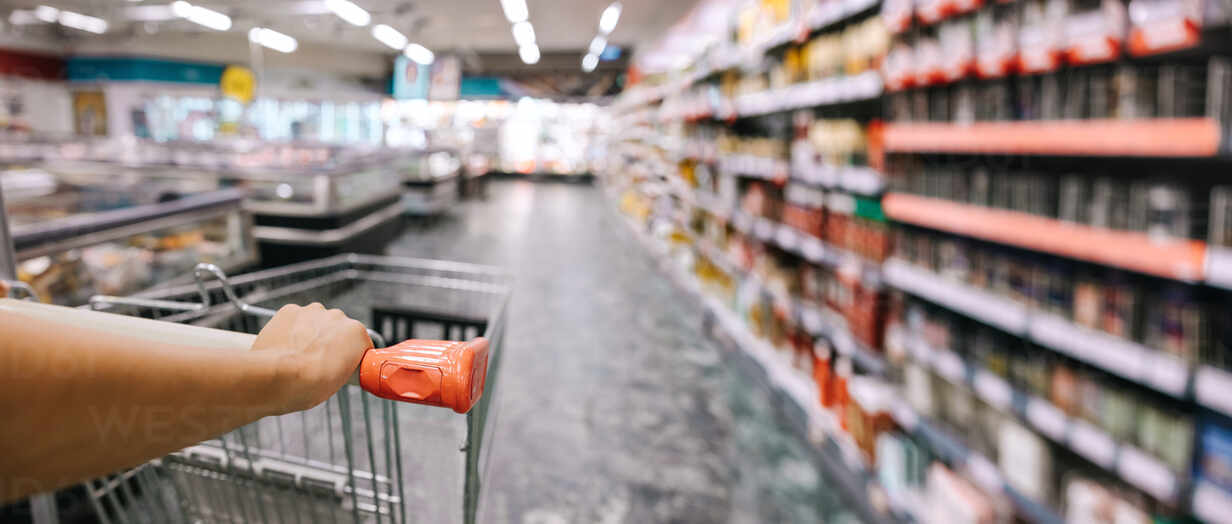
(78, 402)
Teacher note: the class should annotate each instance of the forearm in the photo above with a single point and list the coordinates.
(88, 403)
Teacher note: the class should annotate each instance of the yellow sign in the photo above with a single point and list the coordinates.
(238, 83)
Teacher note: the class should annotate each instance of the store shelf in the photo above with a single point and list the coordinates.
(838, 449)
(1130, 360)
(766, 168)
(834, 328)
(829, 91)
(981, 305)
(823, 15)
(1132, 465)
(1171, 137)
(819, 321)
(975, 466)
(828, 13)
(861, 180)
(1218, 266)
(1179, 259)
(1210, 503)
(1213, 389)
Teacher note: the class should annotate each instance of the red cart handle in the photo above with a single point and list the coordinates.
(432, 372)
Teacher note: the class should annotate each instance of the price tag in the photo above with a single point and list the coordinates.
(1047, 418)
(1111, 353)
(905, 416)
(1210, 503)
(1149, 474)
(1213, 389)
(786, 237)
(1219, 266)
(764, 229)
(985, 474)
(994, 390)
(1167, 373)
(811, 320)
(1093, 443)
(741, 221)
(920, 352)
(949, 366)
(813, 250)
(842, 343)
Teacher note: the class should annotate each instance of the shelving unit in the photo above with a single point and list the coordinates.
(1186, 137)
(847, 463)
(937, 126)
(1125, 358)
(1178, 259)
(1133, 465)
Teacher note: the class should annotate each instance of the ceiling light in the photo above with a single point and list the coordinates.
(597, 45)
(607, 20)
(420, 54)
(515, 10)
(589, 62)
(273, 39)
(201, 16)
(349, 11)
(523, 33)
(82, 22)
(529, 54)
(47, 13)
(389, 36)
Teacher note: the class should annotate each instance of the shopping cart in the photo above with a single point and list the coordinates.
(356, 457)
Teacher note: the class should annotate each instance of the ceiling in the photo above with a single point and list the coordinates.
(470, 26)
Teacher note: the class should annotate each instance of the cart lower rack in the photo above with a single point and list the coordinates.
(354, 458)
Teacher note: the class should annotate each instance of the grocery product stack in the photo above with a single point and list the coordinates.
(982, 246)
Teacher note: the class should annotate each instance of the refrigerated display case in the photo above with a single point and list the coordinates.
(430, 181)
(73, 240)
(307, 213)
(306, 201)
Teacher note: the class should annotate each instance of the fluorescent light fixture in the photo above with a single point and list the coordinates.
(589, 62)
(47, 14)
(349, 11)
(515, 10)
(523, 33)
(389, 36)
(181, 8)
(597, 45)
(529, 54)
(607, 20)
(273, 39)
(201, 16)
(82, 22)
(420, 54)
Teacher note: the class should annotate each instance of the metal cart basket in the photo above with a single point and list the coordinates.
(354, 458)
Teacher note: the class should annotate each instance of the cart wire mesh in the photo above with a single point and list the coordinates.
(355, 457)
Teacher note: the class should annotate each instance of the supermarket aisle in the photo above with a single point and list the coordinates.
(614, 407)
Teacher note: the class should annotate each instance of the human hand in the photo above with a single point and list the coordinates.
(317, 351)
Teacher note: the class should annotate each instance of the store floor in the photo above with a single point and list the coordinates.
(614, 406)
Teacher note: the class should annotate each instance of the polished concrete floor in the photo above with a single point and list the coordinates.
(613, 406)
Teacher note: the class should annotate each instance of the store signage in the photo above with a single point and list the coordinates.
(238, 83)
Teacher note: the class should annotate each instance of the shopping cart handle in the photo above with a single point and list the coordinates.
(432, 372)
